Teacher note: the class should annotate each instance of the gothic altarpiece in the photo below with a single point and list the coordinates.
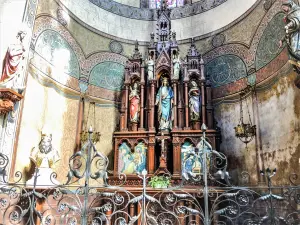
(164, 102)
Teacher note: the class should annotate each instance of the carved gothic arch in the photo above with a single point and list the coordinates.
(160, 71)
(139, 140)
(194, 75)
(188, 140)
(125, 140)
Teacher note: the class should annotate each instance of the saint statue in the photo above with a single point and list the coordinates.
(176, 67)
(292, 29)
(134, 99)
(13, 57)
(194, 101)
(150, 64)
(164, 100)
(44, 157)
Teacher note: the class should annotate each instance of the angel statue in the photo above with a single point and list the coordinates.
(134, 99)
(292, 29)
(44, 156)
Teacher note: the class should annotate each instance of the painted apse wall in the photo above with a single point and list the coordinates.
(64, 65)
(244, 51)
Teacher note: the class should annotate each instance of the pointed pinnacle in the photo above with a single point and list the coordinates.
(91, 129)
(201, 60)
(203, 127)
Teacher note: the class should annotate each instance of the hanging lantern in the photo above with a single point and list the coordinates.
(84, 135)
(245, 131)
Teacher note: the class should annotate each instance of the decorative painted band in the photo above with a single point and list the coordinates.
(261, 75)
(150, 14)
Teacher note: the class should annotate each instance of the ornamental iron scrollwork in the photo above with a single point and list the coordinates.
(86, 197)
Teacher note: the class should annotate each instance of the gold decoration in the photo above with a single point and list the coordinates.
(84, 135)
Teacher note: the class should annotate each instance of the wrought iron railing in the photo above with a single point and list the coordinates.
(87, 198)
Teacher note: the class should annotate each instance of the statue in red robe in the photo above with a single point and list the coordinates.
(12, 59)
(134, 99)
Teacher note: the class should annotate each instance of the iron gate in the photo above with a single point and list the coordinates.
(87, 197)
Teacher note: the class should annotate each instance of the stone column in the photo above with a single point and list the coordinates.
(122, 111)
(152, 105)
(176, 157)
(142, 99)
(186, 91)
(203, 106)
(180, 106)
(116, 156)
(126, 108)
(151, 155)
(209, 108)
(174, 84)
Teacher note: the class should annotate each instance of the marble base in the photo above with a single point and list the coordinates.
(44, 179)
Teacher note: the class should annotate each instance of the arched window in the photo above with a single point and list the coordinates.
(171, 3)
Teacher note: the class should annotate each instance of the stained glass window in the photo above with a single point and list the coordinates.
(171, 3)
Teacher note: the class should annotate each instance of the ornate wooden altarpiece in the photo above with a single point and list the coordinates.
(162, 148)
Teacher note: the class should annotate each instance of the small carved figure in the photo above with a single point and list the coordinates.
(176, 67)
(164, 100)
(194, 101)
(150, 64)
(44, 156)
(13, 57)
(134, 99)
(292, 29)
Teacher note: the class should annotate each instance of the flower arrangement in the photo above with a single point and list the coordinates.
(159, 182)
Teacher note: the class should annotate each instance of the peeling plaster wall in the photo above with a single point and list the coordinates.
(49, 102)
(46, 110)
(277, 140)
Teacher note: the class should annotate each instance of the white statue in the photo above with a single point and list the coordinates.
(44, 157)
(176, 67)
(150, 64)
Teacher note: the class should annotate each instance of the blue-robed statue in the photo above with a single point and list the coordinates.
(292, 28)
(164, 100)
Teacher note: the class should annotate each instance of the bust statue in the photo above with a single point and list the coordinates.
(44, 156)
